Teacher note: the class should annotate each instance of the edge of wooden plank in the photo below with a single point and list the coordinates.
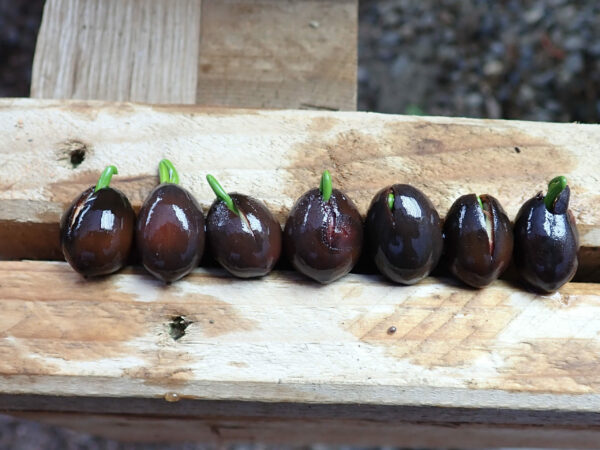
(307, 431)
(284, 339)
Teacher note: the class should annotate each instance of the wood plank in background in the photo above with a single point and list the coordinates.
(285, 353)
(279, 54)
(284, 338)
(276, 156)
(250, 53)
(118, 50)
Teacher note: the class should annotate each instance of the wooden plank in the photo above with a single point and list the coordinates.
(251, 410)
(250, 53)
(279, 54)
(226, 430)
(284, 339)
(276, 156)
(118, 50)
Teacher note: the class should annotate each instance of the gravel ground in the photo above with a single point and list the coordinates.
(533, 60)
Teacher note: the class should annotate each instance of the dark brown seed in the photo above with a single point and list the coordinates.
(546, 243)
(170, 232)
(405, 241)
(323, 240)
(96, 232)
(247, 245)
(478, 242)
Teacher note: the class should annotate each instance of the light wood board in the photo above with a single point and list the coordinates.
(276, 156)
(279, 54)
(291, 54)
(283, 338)
(498, 356)
(118, 50)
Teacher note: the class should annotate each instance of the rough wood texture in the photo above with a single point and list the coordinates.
(291, 54)
(285, 339)
(276, 156)
(118, 50)
(224, 430)
(279, 54)
(496, 356)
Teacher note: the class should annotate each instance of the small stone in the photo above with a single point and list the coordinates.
(474, 100)
(534, 14)
(493, 68)
(526, 93)
(574, 62)
(400, 65)
(542, 79)
(594, 49)
(406, 31)
(362, 74)
(497, 48)
(390, 38)
(493, 109)
(314, 24)
(573, 43)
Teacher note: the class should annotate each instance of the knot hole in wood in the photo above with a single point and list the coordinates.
(73, 152)
(177, 327)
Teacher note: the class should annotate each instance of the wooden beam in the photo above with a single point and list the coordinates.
(276, 156)
(118, 50)
(279, 54)
(245, 53)
(226, 430)
(262, 358)
(285, 339)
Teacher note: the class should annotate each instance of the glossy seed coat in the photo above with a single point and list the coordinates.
(96, 232)
(323, 239)
(247, 245)
(170, 232)
(546, 243)
(405, 241)
(478, 242)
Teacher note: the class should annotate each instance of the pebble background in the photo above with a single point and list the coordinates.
(531, 60)
(512, 59)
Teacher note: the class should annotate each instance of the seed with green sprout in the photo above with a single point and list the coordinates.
(221, 194)
(555, 187)
(105, 178)
(391, 200)
(479, 201)
(167, 172)
(325, 186)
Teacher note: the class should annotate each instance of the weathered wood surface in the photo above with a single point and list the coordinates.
(276, 156)
(261, 358)
(292, 54)
(285, 339)
(279, 54)
(224, 430)
(118, 50)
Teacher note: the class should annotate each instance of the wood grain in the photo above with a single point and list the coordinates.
(244, 53)
(276, 156)
(284, 339)
(279, 54)
(118, 50)
(226, 430)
